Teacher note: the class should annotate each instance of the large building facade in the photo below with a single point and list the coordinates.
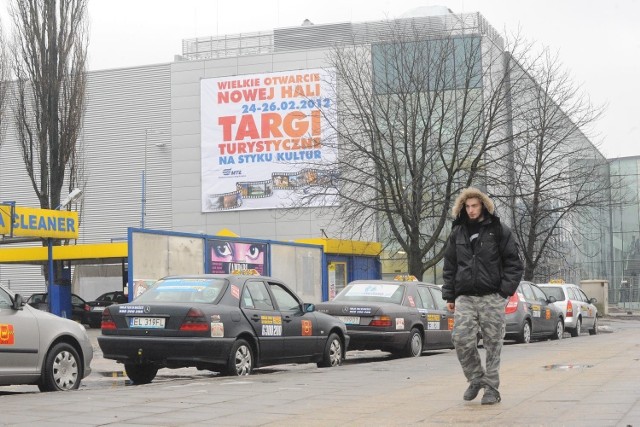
(164, 150)
(625, 242)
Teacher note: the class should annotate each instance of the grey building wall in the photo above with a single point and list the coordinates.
(128, 110)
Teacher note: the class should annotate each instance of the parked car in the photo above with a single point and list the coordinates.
(39, 348)
(579, 310)
(79, 307)
(530, 313)
(402, 316)
(94, 316)
(229, 323)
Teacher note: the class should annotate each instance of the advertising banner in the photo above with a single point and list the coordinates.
(32, 222)
(229, 255)
(263, 135)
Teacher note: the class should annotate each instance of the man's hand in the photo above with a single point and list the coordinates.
(451, 306)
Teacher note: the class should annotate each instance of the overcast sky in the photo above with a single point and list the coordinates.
(598, 41)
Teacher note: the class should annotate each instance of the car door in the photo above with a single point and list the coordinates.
(546, 321)
(435, 323)
(588, 309)
(446, 324)
(19, 339)
(300, 331)
(78, 308)
(264, 317)
(532, 307)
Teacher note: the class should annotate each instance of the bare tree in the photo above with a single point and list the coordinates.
(49, 51)
(558, 181)
(418, 112)
(5, 72)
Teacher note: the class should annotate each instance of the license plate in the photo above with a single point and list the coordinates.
(350, 320)
(147, 322)
(97, 309)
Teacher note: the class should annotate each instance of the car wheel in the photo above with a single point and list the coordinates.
(557, 335)
(414, 345)
(575, 332)
(595, 327)
(240, 359)
(62, 369)
(140, 373)
(332, 355)
(524, 337)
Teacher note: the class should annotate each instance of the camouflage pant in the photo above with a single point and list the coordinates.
(484, 313)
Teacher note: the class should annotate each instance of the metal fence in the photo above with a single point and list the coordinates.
(627, 295)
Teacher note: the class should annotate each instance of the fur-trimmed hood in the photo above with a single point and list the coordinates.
(467, 193)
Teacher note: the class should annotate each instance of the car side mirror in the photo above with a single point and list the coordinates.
(308, 307)
(18, 302)
(551, 299)
(593, 300)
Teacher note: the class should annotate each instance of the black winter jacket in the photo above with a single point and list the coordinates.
(483, 269)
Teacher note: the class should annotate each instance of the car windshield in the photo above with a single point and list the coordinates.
(183, 290)
(553, 291)
(371, 292)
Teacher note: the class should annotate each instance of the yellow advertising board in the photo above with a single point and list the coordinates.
(31, 222)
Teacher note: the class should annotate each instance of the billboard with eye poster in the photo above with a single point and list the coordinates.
(264, 136)
(227, 255)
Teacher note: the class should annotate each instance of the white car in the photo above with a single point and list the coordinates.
(579, 310)
(40, 348)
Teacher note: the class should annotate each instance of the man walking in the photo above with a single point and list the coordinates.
(481, 269)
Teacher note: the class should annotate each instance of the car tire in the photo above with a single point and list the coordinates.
(240, 361)
(332, 355)
(575, 332)
(62, 369)
(415, 344)
(524, 337)
(559, 332)
(594, 331)
(140, 373)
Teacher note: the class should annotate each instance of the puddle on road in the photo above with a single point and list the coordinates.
(114, 374)
(565, 367)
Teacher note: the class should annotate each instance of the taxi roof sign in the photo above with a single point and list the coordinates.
(405, 278)
(557, 281)
(246, 272)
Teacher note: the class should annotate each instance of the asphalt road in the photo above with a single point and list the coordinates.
(586, 381)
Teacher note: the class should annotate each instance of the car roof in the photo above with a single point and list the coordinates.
(229, 276)
(558, 285)
(392, 282)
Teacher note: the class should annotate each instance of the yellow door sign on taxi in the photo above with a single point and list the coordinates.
(271, 326)
(536, 310)
(307, 328)
(7, 336)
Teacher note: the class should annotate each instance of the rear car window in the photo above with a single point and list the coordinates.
(372, 292)
(526, 290)
(553, 291)
(184, 290)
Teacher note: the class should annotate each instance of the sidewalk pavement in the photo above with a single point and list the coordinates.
(584, 381)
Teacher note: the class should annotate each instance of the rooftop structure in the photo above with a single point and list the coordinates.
(309, 36)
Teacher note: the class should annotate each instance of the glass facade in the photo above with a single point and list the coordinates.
(625, 245)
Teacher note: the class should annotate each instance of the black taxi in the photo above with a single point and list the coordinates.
(228, 323)
(401, 316)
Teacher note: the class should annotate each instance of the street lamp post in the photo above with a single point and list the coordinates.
(143, 208)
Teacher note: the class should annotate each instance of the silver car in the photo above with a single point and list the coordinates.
(579, 310)
(40, 348)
